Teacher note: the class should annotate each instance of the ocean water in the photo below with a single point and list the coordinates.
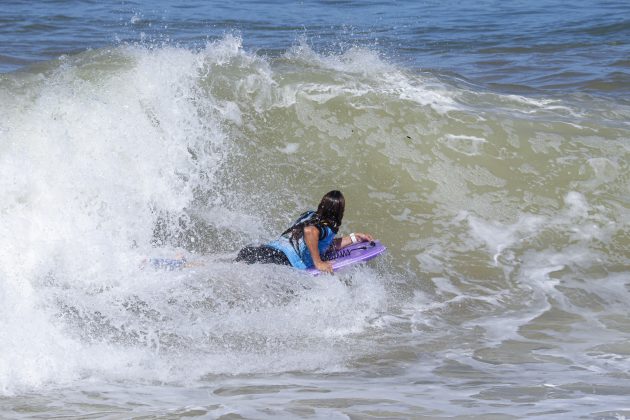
(487, 144)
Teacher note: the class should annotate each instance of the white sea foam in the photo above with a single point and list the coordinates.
(113, 156)
(468, 145)
(88, 170)
(290, 148)
(377, 76)
(499, 237)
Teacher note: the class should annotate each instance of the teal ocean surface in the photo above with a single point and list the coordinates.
(486, 144)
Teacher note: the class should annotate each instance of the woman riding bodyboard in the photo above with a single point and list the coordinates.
(304, 243)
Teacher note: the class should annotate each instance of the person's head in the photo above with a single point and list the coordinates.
(330, 209)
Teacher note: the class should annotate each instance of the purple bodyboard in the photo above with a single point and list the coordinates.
(352, 254)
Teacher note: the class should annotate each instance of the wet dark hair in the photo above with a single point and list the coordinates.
(330, 209)
(329, 213)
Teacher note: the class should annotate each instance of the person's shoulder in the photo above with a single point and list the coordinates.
(311, 228)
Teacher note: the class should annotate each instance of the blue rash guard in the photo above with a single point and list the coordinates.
(301, 257)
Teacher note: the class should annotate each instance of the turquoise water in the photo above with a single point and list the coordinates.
(486, 144)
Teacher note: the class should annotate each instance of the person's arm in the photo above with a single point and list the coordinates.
(344, 241)
(311, 238)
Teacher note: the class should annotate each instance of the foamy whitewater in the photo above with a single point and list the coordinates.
(504, 292)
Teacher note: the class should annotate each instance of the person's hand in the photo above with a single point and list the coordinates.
(363, 237)
(324, 266)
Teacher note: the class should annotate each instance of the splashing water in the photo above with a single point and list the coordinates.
(506, 218)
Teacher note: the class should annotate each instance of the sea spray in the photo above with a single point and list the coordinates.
(114, 156)
(505, 217)
(92, 157)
